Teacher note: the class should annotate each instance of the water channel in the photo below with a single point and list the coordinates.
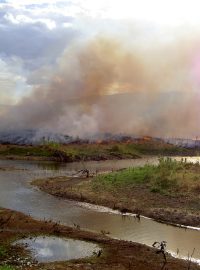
(16, 193)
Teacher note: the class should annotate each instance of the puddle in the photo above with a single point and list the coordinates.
(50, 249)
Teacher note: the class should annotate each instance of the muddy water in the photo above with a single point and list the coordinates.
(50, 249)
(16, 193)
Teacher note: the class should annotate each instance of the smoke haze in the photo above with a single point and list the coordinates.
(103, 85)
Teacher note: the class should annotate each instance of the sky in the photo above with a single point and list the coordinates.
(146, 49)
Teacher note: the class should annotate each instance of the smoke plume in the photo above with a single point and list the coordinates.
(104, 86)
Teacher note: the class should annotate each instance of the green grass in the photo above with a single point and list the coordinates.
(167, 175)
(117, 150)
(158, 149)
(6, 267)
(126, 177)
(3, 254)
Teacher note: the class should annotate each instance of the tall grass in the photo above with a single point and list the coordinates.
(158, 178)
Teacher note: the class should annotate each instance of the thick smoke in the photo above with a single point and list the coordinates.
(105, 86)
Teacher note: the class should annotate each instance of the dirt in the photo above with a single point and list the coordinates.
(116, 254)
(170, 209)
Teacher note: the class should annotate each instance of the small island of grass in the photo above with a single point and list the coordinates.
(169, 191)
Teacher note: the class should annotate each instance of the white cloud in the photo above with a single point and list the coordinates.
(67, 25)
(12, 82)
(10, 18)
(167, 12)
(23, 19)
(30, 2)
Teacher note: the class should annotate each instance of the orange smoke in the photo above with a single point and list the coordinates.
(105, 86)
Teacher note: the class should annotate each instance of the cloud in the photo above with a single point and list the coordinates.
(34, 35)
(12, 83)
(22, 19)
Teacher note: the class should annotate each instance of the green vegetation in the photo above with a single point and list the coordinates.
(98, 151)
(6, 267)
(168, 176)
(3, 254)
(72, 152)
(119, 150)
(3, 251)
(159, 148)
(17, 150)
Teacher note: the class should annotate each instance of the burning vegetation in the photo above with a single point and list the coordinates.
(111, 147)
(103, 85)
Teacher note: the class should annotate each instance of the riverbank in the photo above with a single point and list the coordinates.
(116, 254)
(167, 193)
(93, 151)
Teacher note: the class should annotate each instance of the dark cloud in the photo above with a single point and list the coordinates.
(41, 43)
(31, 39)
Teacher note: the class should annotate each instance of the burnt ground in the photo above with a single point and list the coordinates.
(116, 254)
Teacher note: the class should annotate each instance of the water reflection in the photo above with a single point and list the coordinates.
(49, 249)
(55, 166)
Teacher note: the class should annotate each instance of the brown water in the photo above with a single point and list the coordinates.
(50, 249)
(17, 193)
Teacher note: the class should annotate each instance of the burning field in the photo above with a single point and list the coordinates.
(104, 85)
(91, 80)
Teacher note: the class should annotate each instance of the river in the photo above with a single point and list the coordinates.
(16, 193)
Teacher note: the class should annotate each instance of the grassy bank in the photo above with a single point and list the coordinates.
(168, 192)
(169, 177)
(101, 151)
(116, 255)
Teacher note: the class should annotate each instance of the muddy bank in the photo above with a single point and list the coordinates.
(139, 200)
(115, 254)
